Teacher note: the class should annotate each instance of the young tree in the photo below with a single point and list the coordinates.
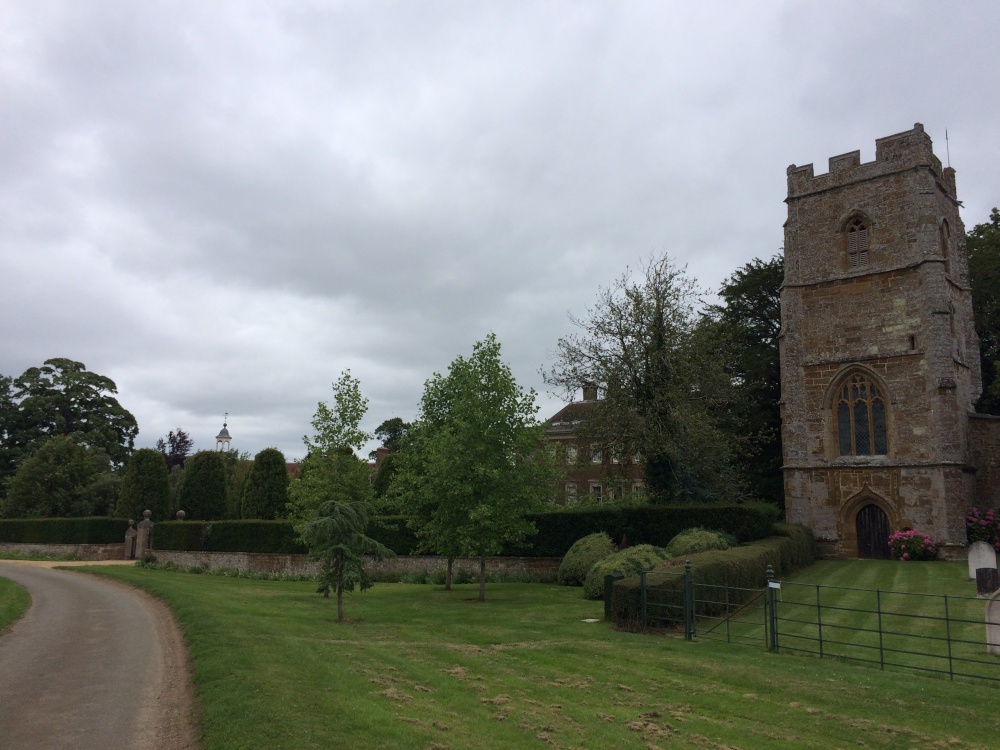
(175, 448)
(983, 242)
(663, 382)
(145, 486)
(53, 482)
(265, 492)
(203, 490)
(475, 463)
(332, 501)
(747, 325)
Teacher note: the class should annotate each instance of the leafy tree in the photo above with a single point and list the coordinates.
(62, 398)
(663, 381)
(175, 448)
(145, 486)
(393, 433)
(332, 500)
(475, 465)
(337, 486)
(983, 242)
(53, 482)
(265, 492)
(238, 467)
(747, 326)
(203, 491)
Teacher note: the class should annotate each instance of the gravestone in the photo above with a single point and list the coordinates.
(144, 540)
(993, 624)
(130, 537)
(987, 581)
(981, 555)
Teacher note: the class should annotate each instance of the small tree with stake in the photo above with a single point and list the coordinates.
(332, 501)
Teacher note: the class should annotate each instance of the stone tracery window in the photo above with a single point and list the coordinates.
(857, 242)
(861, 417)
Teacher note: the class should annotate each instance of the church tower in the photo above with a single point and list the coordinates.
(879, 355)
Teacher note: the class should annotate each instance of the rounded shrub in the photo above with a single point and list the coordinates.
(581, 558)
(628, 562)
(691, 541)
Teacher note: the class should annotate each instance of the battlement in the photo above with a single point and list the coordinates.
(894, 153)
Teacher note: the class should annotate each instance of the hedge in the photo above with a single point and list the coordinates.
(93, 530)
(790, 547)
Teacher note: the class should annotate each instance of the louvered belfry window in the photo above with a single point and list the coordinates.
(857, 242)
(861, 418)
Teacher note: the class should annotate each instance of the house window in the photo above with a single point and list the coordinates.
(596, 491)
(861, 417)
(595, 453)
(571, 454)
(570, 493)
(857, 242)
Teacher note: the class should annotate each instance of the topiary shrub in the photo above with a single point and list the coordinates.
(690, 541)
(582, 556)
(629, 562)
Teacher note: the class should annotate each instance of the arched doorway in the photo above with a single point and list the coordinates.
(872, 526)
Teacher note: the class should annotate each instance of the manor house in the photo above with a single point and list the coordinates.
(879, 355)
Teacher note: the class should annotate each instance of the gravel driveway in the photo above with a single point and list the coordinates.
(92, 664)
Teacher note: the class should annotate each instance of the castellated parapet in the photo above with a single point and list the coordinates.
(879, 355)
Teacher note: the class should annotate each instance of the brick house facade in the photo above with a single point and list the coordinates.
(879, 354)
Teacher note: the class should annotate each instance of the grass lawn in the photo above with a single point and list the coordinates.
(14, 602)
(418, 667)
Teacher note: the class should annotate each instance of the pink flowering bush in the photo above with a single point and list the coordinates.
(983, 526)
(912, 545)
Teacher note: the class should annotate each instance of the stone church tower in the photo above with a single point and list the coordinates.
(879, 356)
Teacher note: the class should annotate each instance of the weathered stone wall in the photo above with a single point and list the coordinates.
(79, 551)
(903, 319)
(985, 438)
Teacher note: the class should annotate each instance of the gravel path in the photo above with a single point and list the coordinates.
(92, 664)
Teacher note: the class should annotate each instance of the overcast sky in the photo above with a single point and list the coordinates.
(222, 205)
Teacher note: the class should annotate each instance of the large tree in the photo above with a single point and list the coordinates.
(475, 466)
(983, 242)
(145, 486)
(662, 379)
(747, 326)
(331, 502)
(202, 493)
(62, 398)
(265, 492)
(54, 481)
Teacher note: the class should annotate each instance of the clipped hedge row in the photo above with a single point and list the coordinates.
(94, 530)
(649, 524)
(790, 547)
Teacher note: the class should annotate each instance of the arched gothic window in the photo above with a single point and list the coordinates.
(857, 242)
(861, 417)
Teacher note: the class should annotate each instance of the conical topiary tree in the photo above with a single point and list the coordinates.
(265, 492)
(145, 486)
(203, 491)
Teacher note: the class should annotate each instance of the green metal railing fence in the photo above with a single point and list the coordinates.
(924, 632)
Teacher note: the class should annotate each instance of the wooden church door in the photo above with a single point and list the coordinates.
(873, 533)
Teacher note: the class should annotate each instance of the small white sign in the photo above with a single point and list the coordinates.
(774, 584)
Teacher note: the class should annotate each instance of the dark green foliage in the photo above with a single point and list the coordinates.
(184, 535)
(101, 495)
(256, 536)
(265, 492)
(203, 491)
(63, 531)
(145, 486)
(581, 558)
(395, 533)
(657, 525)
(791, 547)
(690, 541)
(627, 561)
(747, 324)
(53, 482)
(983, 242)
(175, 448)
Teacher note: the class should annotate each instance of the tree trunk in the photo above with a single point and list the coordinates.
(340, 587)
(482, 579)
(448, 574)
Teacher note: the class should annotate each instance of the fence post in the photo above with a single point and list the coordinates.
(688, 602)
(819, 621)
(642, 597)
(947, 625)
(771, 615)
(881, 647)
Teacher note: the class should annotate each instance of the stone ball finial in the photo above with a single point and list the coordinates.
(146, 514)
(180, 515)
